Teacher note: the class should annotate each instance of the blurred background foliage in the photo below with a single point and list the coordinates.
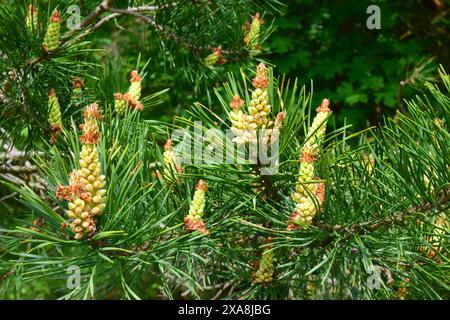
(365, 73)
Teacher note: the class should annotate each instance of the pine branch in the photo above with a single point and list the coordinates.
(154, 8)
(104, 20)
(170, 34)
(100, 9)
(26, 168)
(7, 274)
(158, 27)
(106, 5)
(147, 8)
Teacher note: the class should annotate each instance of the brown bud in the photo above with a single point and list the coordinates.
(77, 83)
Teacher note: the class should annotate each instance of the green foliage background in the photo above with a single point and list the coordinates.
(365, 73)
(361, 70)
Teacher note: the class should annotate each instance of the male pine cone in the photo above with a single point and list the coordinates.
(307, 192)
(51, 39)
(54, 111)
(259, 105)
(86, 193)
(252, 37)
(193, 220)
(32, 18)
(131, 98)
(240, 126)
(264, 274)
(305, 208)
(170, 168)
(135, 86)
(318, 127)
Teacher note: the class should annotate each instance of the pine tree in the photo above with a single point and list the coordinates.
(323, 213)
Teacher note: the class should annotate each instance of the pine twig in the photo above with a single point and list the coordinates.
(7, 274)
(102, 7)
(147, 8)
(168, 33)
(16, 169)
(104, 21)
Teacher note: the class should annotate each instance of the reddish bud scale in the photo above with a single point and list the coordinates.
(261, 81)
(135, 76)
(201, 185)
(55, 16)
(195, 225)
(236, 103)
(324, 106)
(78, 83)
(168, 145)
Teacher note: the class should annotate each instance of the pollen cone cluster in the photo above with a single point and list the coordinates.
(259, 105)
(169, 161)
(32, 18)
(252, 30)
(51, 39)
(193, 221)
(245, 126)
(86, 193)
(239, 124)
(215, 57)
(132, 97)
(135, 86)
(54, 111)
(264, 274)
(318, 128)
(309, 194)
